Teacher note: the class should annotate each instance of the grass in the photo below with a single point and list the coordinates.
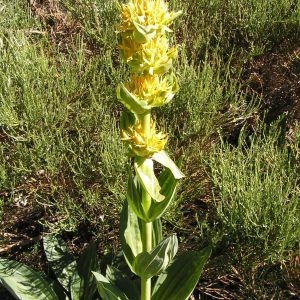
(62, 161)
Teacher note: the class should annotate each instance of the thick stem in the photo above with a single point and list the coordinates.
(146, 226)
(146, 122)
(147, 246)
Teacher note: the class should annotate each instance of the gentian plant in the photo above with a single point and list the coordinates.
(144, 46)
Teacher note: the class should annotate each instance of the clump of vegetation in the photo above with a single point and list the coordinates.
(256, 193)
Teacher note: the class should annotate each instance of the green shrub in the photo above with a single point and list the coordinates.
(257, 194)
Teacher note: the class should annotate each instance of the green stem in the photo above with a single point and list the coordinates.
(147, 246)
(146, 122)
(146, 226)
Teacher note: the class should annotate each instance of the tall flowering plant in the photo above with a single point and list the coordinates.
(144, 46)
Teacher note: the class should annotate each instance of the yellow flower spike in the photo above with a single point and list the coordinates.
(147, 16)
(143, 146)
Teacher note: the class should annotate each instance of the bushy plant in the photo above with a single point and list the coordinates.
(257, 194)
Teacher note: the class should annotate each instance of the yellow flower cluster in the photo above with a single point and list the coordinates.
(153, 14)
(153, 57)
(155, 90)
(142, 145)
(145, 47)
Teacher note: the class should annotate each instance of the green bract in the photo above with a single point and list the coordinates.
(145, 174)
(134, 195)
(131, 102)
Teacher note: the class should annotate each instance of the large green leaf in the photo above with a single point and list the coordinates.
(168, 188)
(126, 285)
(24, 283)
(130, 234)
(145, 173)
(180, 278)
(152, 264)
(60, 259)
(83, 285)
(134, 196)
(107, 290)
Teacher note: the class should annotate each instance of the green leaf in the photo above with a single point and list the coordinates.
(60, 260)
(131, 102)
(130, 235)
(134, 197)
(151, 264)
(168, 188)
(24, 283)
(83, 285)
(145, 173)
(163, 158)
(180, 278)
(127, 286)
(107, 290)
(156, 232)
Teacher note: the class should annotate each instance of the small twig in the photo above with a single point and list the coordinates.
(21, 243)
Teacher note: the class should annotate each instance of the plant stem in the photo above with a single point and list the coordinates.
(146, 226)
(146, 122)
(147, 246)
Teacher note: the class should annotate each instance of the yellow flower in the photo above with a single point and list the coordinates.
(150, 14)
(141, 145)
(153, 57)
(155, 90)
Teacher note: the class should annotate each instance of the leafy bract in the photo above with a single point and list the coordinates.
(130, 101)
(168, 184)
(146, 176)
(164, 159)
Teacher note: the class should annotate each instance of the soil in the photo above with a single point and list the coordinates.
(275, 76)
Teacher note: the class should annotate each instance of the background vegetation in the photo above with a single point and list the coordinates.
(235, 123)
